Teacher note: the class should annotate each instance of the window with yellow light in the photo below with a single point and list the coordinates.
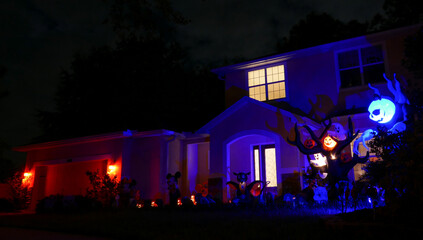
(267, 83)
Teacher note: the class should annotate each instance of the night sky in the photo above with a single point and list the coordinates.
(39, 38)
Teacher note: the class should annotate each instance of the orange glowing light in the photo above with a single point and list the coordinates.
(27, 178)
(154, 204)
(329, 143)
(193, 199)
(179, 202)
(112, 169)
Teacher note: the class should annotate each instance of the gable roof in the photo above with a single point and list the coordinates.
(247, 100)
(95, 138)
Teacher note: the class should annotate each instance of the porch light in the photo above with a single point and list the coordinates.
(26, 178)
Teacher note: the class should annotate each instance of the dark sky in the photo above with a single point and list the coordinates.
(39, 38)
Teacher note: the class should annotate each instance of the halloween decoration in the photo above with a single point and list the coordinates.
(309, 143)
(245, 193)
(336, 169)
(329, 143)
(172, 184)
(366, 136)
(382, 109)
(386, 112)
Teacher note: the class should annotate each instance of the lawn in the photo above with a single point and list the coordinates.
(217, 224)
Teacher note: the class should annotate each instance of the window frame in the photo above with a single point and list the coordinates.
(360, 66)
(266, 84)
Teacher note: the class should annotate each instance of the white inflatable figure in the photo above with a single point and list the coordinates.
(366, 136)
(399, 96)
(319, 160)
(397, 128)
(340, 132)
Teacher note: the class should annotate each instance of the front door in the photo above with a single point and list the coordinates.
(264, 159)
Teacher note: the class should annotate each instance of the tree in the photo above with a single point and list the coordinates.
(143, 83)
(320, 28)
(398, 14)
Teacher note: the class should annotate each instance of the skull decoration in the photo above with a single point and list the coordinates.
(309, 143)
(381, 110)
(329, 143)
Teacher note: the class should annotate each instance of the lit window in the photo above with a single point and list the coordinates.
(265, 164)
(361, 66)
(267, 84)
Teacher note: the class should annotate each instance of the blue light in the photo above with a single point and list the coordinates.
(381, 110)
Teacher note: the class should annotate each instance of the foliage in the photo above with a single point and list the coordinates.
(20, 191)
(144, 18)
(398, 170)
(104, 188)
(320, 28)
(398, 13)
(66, 204)
(143, 82)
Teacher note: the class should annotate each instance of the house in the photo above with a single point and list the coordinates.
(265, 98)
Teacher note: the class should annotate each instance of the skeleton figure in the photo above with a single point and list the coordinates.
(366, 136)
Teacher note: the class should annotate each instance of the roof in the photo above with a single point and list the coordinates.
(95, 138)
(278, 58)
(244, 101)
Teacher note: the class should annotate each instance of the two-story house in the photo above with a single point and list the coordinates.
(265, 97)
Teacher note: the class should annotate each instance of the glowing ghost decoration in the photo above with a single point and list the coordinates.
(319, 160)
(329, 143)
(381, 110)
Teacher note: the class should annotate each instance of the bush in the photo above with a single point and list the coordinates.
(104, 188)
(67, 204)
(20, 191)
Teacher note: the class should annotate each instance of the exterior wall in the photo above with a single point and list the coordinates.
(312, 80)
(251, 119)
(147, 160)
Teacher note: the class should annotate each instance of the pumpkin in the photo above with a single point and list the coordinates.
(329, 143)
(309, 143)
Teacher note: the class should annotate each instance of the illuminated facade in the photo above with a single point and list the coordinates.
(265, 98)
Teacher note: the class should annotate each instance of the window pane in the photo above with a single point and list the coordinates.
(372, 54)
(276, 90)
(256, 77)
(350, 78)
(257, 164)
(348, 59)
(270, 158)
(374, 73)
(258, 93)
(275, 74)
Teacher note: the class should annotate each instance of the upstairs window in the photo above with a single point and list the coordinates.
(267, 83)
(361, 66)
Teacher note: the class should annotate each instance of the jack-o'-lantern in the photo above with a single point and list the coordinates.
(309, 143)
(346, 157)
(329, 143)
(381, 110)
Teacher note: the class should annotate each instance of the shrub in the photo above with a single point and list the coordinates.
(104, 188)
(20, 191)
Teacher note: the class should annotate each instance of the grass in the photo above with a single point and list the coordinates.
(280, 223)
